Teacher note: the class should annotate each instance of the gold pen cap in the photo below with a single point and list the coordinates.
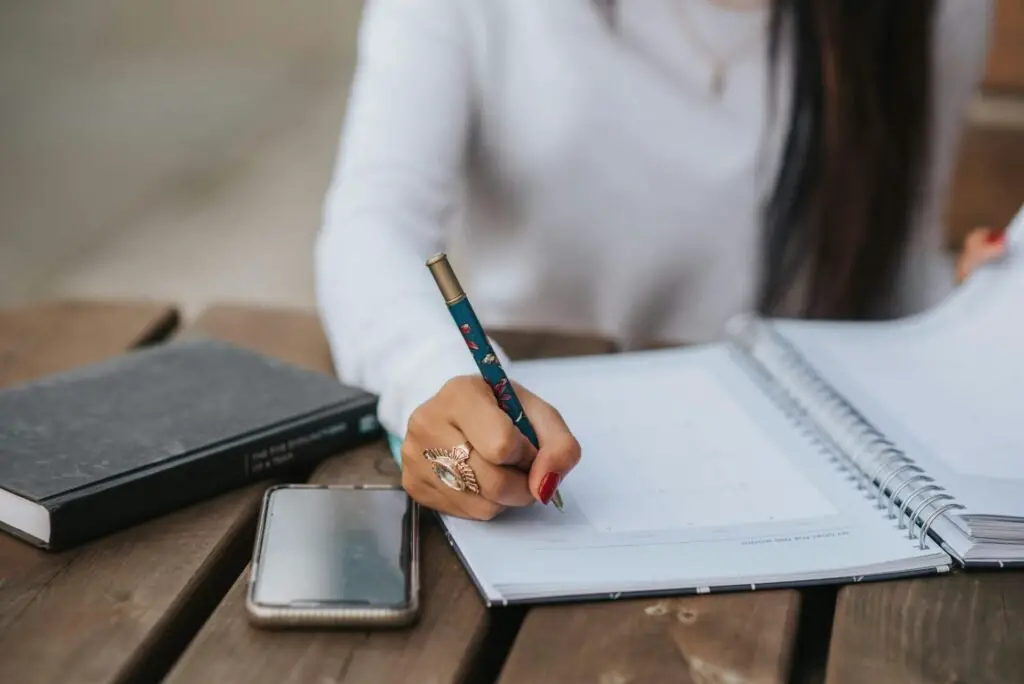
(445, 278)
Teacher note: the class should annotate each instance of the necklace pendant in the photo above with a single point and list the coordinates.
(717, 84)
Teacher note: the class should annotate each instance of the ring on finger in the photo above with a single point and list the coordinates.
(451, 466)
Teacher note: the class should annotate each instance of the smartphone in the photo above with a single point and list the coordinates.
(335, 556)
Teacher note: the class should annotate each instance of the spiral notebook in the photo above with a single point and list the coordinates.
(795, 453)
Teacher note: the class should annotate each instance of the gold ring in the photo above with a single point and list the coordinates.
(452, 468)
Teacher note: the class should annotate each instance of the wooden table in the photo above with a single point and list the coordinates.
(163, 601)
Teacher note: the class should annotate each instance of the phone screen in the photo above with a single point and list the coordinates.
(336, 546)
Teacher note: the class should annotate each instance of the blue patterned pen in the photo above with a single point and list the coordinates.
(486, 360)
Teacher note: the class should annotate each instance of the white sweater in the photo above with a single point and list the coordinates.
(581, 179)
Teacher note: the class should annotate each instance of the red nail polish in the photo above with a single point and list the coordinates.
(995, 238)
(547, 488)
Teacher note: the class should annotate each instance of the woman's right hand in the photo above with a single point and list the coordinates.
(509, 470)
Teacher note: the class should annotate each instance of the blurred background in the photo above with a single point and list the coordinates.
(179, 149)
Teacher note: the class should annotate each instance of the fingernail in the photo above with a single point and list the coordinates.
(548, 485)
(995, 238)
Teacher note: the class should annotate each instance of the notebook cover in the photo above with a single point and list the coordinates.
(154, 429)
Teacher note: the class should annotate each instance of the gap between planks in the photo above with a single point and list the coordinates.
(142, 592)
(456, 641)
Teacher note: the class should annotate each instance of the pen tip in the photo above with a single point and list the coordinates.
(557, 501)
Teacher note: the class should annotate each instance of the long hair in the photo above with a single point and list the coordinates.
(840, 211)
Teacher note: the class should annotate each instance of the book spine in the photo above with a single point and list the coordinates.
(897, 485)
(146, 494)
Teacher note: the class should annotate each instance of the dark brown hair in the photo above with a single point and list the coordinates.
(841, 208)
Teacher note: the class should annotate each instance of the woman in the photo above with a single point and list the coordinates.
(640, 169)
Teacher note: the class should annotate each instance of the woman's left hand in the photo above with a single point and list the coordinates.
(980, 246)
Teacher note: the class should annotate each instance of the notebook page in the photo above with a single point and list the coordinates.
(946, 386)
(715, 467)
(689, 475)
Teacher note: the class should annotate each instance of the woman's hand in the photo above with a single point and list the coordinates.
(980, 246)
(509, 471)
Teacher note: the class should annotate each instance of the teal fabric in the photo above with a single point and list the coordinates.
(395, 444)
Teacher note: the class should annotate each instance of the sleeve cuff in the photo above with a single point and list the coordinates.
(420, 375)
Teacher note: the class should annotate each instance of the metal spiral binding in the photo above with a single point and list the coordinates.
(873, 462)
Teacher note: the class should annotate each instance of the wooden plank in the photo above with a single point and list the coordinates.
(293, 336)
(442, 646)
(451, 643)
(47, 338)
(50, 337)
(962, 628)
(1004, 70)
(986, 189)
(745, 638)
(124, 607)
(520, 344)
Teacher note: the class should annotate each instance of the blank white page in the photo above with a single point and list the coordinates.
(685, 454)
(690, 476)
(947, 386)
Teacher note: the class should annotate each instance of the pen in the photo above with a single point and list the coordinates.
(486, 360)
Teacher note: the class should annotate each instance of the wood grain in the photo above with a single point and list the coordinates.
(953, 629)
(441, 648)
(520, 344)
(122, 608)
(988, 185)
(290, 335)
(736, 638)
(50, 338)
(1004, 70)
(452, 639)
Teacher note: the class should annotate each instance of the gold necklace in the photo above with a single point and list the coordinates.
(738, 5)
(719, 62)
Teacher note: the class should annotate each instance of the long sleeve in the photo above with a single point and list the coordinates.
(393, 189)
(959, 53)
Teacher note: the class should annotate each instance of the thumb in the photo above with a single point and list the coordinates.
(559, 451)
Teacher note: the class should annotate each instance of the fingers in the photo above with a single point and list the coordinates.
(508, 469)
(470, 406)
(559, 451)
(430, 427)
(420, 482)
(430, 496)
(981, 246)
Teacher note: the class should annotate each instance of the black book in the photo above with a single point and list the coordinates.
(106, 446)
